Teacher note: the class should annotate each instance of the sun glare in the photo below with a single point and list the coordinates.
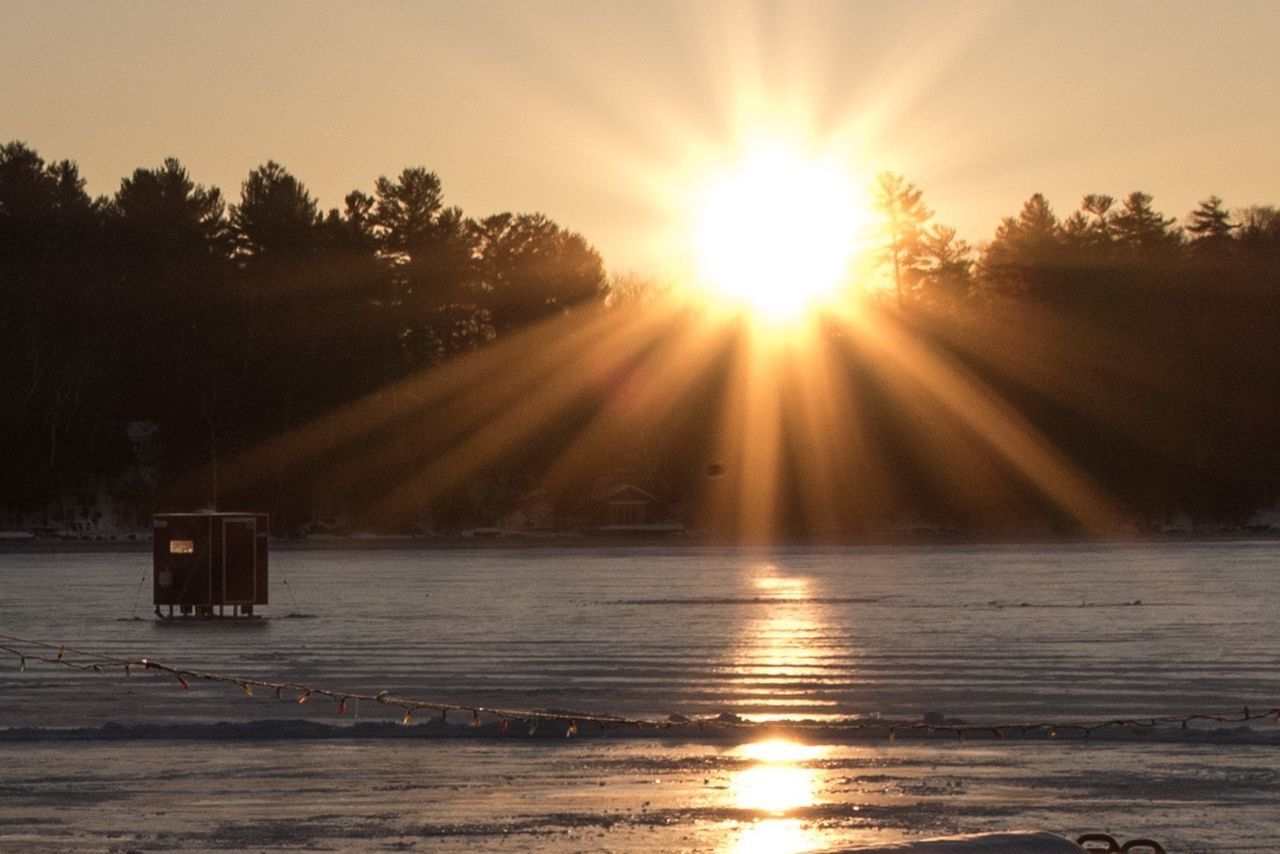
(780, 750)
(775, 233)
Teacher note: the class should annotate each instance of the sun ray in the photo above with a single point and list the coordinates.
(668, 373)
(519, 419)
(743, 501)
(1024, 448)
(406, 402)
(822, 443)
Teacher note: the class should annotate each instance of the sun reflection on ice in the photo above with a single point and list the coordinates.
(787, 662)
(774, 836)
(779, 750)
(782, 656)
(773, 788)
(777, 783)
(781, 586)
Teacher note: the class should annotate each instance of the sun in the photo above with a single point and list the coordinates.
(775, 232)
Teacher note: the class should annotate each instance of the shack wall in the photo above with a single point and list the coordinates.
(206, 559)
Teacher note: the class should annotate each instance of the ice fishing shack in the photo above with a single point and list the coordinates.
(205, 562)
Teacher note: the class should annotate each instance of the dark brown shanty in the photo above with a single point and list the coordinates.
(205, 562)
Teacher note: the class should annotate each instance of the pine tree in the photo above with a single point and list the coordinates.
(948, 265)
(1210, 226)
(1025, 246)
(1141, 228)
(900, 202)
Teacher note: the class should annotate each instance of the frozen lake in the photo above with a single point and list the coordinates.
(997, 635)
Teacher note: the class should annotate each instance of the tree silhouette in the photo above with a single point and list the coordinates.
(1088, 231)
(1138, 227)
(165, 213)
(53, 347)
(1151, 362)
(1259, 233)
(530, 267)
(900, 203)
(431, 250)
(170, 247)
(948, 266)
(1025, 250)
(276, 215)
(1210, 228)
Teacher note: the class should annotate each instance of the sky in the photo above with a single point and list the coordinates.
(601, 113)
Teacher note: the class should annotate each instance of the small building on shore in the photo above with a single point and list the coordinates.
(624, 505)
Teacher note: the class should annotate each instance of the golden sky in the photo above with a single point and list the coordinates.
(593, 111)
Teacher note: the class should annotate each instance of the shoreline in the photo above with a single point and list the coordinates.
(141, 542)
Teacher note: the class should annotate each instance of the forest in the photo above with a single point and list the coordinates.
(166, 348)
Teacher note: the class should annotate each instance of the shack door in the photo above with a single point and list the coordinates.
(239, 559)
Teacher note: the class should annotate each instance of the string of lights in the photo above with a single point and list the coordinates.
(31, 650)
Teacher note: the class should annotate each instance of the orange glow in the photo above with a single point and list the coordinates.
(778, 750)
(775, 836)
(773, 788)
(923, 377)
(789, 426)
(776, 783)
(775, 231)
(776, 668)
(793, 368)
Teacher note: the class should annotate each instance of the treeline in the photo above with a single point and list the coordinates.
(149, 338)
(221, 323)
(1148, 351)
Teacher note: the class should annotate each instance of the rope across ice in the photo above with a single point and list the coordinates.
(29, 650)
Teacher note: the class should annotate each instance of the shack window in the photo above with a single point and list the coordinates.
(182, 547)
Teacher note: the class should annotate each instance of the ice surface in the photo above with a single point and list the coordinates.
(990, 634)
